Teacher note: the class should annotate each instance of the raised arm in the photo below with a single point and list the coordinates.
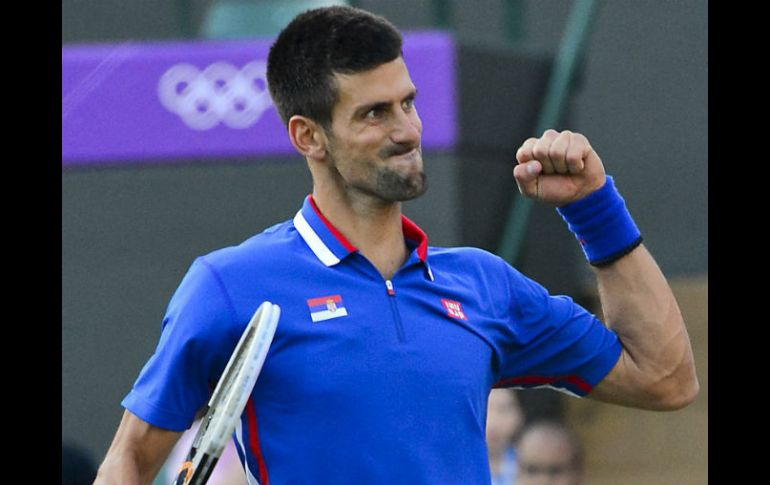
(656, 369)
(136, 454)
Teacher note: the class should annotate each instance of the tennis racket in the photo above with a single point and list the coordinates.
(230, 396)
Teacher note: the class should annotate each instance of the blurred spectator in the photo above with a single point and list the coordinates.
(504, 420)
(549, 454)
(77, 466)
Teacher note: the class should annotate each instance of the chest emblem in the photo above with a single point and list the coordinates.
(326, 307)
(454, 309)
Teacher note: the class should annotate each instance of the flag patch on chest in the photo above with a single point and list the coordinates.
(453, 309)
(326, 307)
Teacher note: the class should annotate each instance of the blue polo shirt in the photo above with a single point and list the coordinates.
(367, 380)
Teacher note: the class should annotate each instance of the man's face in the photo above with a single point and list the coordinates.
(545, 457)
(504, 417)
(375, 134)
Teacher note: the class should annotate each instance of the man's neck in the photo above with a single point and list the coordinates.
(372, 227)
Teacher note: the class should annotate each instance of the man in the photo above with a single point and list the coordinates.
(549, 454)
(387, 348)
(504, 420)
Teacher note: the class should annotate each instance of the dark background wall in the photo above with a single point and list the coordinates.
(129, 233)
(642, 99)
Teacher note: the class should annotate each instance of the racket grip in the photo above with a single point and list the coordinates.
(201, 474)
(185, 470)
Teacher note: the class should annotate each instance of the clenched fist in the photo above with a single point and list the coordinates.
(558, 168)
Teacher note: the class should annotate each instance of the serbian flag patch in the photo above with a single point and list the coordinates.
(326, 307)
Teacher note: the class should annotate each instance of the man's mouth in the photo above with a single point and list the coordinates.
(411, 153)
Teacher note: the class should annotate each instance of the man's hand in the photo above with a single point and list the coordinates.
(656, 369)
(558, 168)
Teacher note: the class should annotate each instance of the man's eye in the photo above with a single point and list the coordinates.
(408, 104)
(373, 113)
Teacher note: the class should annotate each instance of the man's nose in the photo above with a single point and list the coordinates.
(407, 128)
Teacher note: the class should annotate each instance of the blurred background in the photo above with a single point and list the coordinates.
(632, 75)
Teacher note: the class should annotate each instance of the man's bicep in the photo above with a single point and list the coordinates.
(624, 386)
(151, 439)
(554, 341)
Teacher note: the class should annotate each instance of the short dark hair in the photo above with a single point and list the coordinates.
(318, 44)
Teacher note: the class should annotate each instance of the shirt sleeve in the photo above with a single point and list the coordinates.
(553, 341)
(197, 338)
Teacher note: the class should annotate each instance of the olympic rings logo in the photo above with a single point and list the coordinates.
(221, 93)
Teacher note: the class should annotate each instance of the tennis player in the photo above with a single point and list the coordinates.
(387, 348)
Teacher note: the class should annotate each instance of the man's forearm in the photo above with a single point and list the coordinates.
(137, 453)
(122, 469)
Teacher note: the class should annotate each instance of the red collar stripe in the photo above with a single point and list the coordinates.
(411, 231)
(342, 239)
(340, 243)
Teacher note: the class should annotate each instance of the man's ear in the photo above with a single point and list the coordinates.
(308, 137)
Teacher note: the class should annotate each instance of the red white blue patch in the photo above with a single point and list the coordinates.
(326, 307)
(454, 309)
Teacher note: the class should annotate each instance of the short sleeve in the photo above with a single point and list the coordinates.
(554, 342)
(197, 338)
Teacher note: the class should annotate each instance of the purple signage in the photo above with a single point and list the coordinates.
(160, 102)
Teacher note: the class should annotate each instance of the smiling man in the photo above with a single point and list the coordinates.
(387, 348)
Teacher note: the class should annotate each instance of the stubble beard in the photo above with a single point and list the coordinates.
(396, 187)
(386, 184)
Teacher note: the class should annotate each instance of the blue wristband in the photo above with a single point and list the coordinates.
(602, 224)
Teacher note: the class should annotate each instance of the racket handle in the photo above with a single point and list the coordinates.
(203, 472)
(199, 476)
(185, 470)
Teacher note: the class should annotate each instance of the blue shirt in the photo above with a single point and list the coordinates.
(367, 380)
(508, 468)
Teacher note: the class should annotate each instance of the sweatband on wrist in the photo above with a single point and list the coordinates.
(602, 224)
